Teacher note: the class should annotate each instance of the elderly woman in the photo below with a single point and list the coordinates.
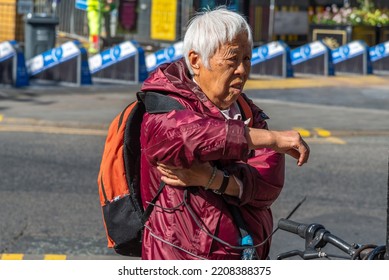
(206, 154)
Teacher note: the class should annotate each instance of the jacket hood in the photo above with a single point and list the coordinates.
(174, 78)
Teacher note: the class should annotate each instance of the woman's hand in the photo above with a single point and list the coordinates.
(288, 142)
(200, 175)
(291, 143)
(197, 175)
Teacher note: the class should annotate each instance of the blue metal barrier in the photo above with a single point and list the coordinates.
(12, 65)
(272, 59)
(123, 63)
(379, 56)
(352, 58)
(170, 54)
(67, 64)
(313, 58)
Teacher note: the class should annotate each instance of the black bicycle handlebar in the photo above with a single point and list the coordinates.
(316, 237)
(293, 227)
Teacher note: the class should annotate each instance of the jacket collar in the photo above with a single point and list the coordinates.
(175, 79)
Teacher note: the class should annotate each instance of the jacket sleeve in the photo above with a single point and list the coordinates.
(263, 174)
(262, 177)
(179, 138)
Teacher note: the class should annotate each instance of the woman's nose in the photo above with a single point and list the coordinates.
(242, 68)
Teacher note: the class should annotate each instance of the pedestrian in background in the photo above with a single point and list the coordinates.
(96, 11)
(108, 7)
(93, 10)
(207, 154)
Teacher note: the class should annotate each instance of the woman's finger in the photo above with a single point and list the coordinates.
(173, 182)
(166, 166)
(167, 172)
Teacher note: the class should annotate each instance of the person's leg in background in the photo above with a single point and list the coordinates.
(94, 23)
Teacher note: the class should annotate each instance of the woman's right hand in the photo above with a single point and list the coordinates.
(291, 143)
(288, 142)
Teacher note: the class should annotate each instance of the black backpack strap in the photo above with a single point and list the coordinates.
(150, 207)
(249, 253)
(157, 102)
(238, 220)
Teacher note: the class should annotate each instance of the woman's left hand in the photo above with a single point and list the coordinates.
(197, 175)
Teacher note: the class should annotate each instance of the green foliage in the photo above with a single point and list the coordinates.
(365, 14)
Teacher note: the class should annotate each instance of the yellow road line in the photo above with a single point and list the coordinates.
(336, 140)
(313, 82)
(1, 117)
(21, 120)
(303, 132)
(322, 132)
(54, 257)
(11, 257)
(328, 140)
(327, 135)
(54, 130)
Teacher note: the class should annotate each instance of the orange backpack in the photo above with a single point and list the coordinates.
(118, 179)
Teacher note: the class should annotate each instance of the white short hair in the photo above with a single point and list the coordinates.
(210, 29)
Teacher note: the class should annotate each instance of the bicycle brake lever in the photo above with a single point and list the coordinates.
(290, 254)
(306, 255)
(312, 254)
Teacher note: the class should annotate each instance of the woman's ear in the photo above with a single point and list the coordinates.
(194, 60)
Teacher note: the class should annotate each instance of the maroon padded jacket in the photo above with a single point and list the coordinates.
(184, 228)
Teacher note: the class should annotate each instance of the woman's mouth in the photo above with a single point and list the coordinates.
(237, 86)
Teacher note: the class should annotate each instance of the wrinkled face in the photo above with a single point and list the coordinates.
(228, 71)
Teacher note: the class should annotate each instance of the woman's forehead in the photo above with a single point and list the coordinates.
(236, 46)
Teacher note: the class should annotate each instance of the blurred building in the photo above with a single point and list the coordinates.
(162, 22)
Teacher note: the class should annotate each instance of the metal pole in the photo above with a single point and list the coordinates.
(271, 20)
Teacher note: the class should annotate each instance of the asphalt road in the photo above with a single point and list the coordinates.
(52, 139)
